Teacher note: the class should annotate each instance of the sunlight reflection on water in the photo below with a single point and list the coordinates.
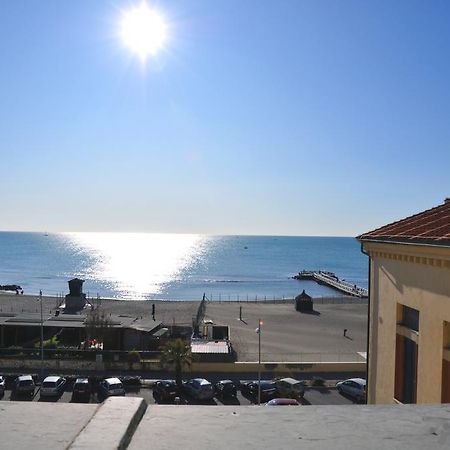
(138, 264)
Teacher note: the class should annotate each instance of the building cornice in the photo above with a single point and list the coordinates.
(436, 256)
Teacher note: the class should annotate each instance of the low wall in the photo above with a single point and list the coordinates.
(196, 367)
(65, 365)
(291, 367)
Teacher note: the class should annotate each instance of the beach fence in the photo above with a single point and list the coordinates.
(33, 307)
(95, 299)
(320, 300)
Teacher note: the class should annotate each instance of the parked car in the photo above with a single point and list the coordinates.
(268, 390)
(225, 388)
(290, 388)
(243, 385)
(2, 385)
(111, 386)
(199, 388)
(24, 385)
(53, 386)
(353, 387)
(165, 390)
(246, 386)
(283, 402)
(81, 390)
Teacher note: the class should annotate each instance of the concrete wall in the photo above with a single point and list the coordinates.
(252, 367)
(51, 364)
(418, 277)
(123, 367)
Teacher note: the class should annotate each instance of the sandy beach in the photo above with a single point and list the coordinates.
(285, 331)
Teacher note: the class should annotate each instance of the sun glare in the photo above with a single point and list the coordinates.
(143, 30)
(137, 265)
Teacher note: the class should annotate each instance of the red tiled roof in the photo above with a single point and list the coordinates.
(428, 227)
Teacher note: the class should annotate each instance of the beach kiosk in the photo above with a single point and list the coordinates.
(304, 302)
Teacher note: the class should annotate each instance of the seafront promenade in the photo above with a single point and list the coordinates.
(287, 335)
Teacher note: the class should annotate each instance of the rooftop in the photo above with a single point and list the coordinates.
(303, 427)
(126, 422)
(75, 321)
(203, 346)
(430, 227)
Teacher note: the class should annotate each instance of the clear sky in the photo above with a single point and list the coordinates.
(257, 117)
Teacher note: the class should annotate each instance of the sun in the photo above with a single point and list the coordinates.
(143, 30)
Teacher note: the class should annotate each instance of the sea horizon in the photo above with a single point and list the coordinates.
(182, 233)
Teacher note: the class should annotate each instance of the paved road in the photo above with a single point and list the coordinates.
(312, 397)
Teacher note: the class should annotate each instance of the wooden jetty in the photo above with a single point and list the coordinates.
(331, 280)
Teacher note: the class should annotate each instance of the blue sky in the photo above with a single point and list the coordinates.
(290, 117)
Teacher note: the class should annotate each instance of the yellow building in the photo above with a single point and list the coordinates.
(409, 309)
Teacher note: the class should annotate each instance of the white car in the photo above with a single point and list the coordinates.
(354, 387)
(53, 386)
(111, 386)
(199, 388)
(2, 385)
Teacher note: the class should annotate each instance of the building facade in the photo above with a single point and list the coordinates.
(409, 309)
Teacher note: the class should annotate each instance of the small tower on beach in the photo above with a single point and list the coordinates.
(75, 300)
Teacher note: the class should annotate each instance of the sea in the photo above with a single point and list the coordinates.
(149, 266)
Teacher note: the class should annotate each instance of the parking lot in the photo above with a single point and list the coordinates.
(313, 396)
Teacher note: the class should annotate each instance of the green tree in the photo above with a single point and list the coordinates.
(176, 354)
(97, 324)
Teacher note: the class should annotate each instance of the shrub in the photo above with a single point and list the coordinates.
(51, 343)
(317, 381)
(133, 356)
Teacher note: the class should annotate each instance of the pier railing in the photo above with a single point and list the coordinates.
(341, 285)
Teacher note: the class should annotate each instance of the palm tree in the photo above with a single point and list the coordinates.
(176, 354)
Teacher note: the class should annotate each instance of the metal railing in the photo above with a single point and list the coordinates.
(323, 300)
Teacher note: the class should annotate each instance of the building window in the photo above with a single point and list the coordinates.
(410, 318)
(406, 354)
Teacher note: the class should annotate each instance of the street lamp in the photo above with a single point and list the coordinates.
(39, 299)
(42, 334)
(258, 330)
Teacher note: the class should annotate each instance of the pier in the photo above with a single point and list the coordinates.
(331, 280)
